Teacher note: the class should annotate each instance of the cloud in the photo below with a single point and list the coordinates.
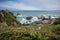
(19, 6)
(32, 4)
(44, 4)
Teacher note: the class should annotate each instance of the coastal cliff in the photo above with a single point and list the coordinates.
(7, 18)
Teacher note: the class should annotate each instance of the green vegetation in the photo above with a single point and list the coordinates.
(47, 32)
(57, 21)
(8, 18)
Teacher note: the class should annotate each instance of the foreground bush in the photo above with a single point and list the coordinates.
(47, 32)
(16, 36)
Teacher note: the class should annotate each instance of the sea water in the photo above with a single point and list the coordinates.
(36, 13)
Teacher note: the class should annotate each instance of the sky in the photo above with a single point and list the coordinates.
(30, 4)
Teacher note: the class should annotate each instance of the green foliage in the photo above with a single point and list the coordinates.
(15, 36)
(3, 26)
(56, 29)
(9, 17)
(45, 33)
(57, 21)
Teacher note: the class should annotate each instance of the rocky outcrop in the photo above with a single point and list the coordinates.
(1, 17)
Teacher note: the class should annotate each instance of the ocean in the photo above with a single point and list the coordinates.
(36, 13)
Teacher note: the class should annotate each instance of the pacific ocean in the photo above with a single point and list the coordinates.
(55, 13)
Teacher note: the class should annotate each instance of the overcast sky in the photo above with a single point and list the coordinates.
(30, 4)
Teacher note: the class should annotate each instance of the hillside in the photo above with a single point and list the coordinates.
(7, 18)
(32, 32)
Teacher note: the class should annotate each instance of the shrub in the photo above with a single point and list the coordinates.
(57, 21)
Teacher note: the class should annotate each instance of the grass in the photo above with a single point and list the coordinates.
(47, 32)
